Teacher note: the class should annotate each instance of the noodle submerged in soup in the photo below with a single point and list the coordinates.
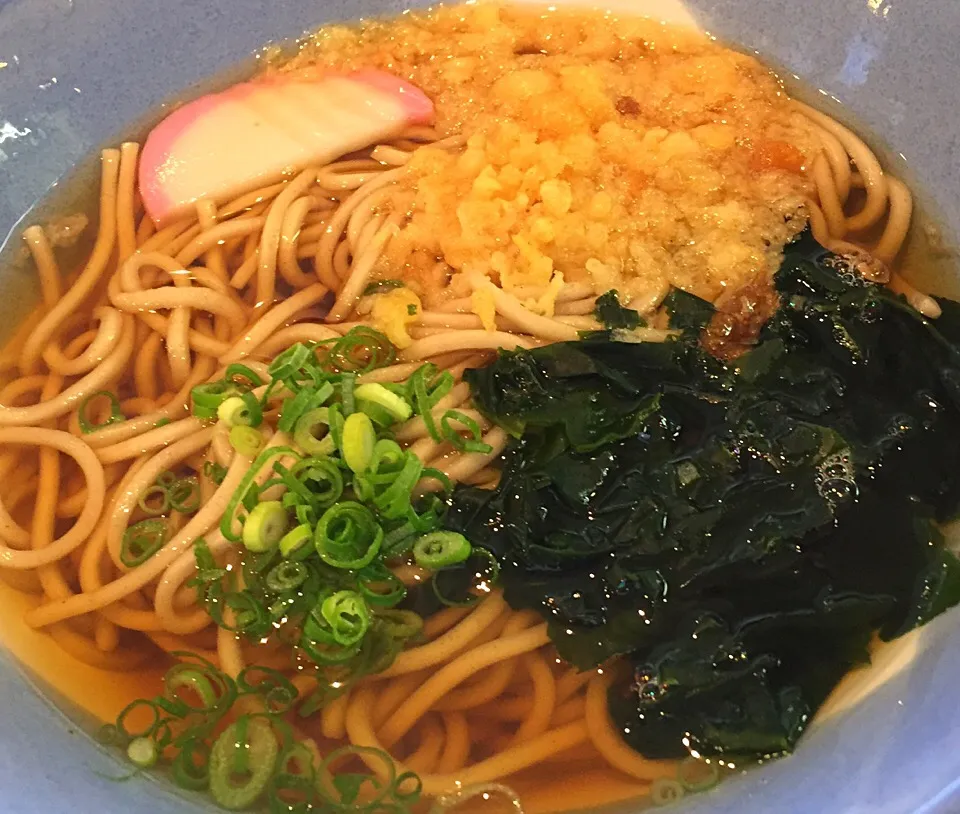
(388, 427)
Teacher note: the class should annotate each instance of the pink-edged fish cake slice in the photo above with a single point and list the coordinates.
(256, 133)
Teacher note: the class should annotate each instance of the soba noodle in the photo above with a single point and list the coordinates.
(154, 312)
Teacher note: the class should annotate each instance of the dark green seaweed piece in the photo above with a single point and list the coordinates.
(687, 311)
(737, 532)
(613, 316)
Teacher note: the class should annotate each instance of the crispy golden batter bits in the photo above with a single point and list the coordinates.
(617, 151)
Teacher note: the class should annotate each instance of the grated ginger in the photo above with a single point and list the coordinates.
(481, 302)
(395, 311)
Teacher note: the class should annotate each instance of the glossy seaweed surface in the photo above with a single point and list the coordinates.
(737, 531)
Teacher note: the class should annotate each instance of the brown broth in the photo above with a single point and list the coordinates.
(87, 694)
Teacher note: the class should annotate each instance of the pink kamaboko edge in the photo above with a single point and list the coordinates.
(255, 133)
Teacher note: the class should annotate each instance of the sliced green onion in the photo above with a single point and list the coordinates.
(271, 685)
(310, 377)
(255, 760)
(166, 479)
(379, 416)
(255, 566)
(317, 701)
(109, 735)
(214, 471)
(230, 410)
(394, 502)
(380, 586)
(203, 555)
(408, 787)
(319, 643)
(130, 710)
(253, 379)
(665, 790)
(143, 752)
(290, 361)
(363, 488)
(348, 536)
(281, 608)
(264, 527)
(190, 768)
(347, 385)
(398, 541)
(163, 736)
(347, 615)
(381, 286)
(322, 479)
(286, 576)
(298, 491)
(325, 652)
(208, 571)
(359, 438)
(246, 440)
(254, 413)
(306, 515)
(197, 681)
(336, 425)
(428, 517)
(377, 394)
(303, 402)
(242, 760)
(295, 544)
(207, 398)
(317, 482)
(293, 792)
(400, 624)
(269, 391)
(388, 462)
(247, 485)
(492, 563)
(141, 541)
(377, 652)
(361, 350)
(698, 775)
(116, 414)
(252, 497)
(474, 443)
(308, 436)
(149, 505)
(250, 615)
(301, 758)
(372, 787)
(441, 549)
(429, 473)
(242, 410)
(184, 495)
(425, 387)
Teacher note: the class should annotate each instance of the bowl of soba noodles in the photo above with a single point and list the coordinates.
(486, 407)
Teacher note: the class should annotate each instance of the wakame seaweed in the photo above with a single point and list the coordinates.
(738, 532)
(611, 314)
